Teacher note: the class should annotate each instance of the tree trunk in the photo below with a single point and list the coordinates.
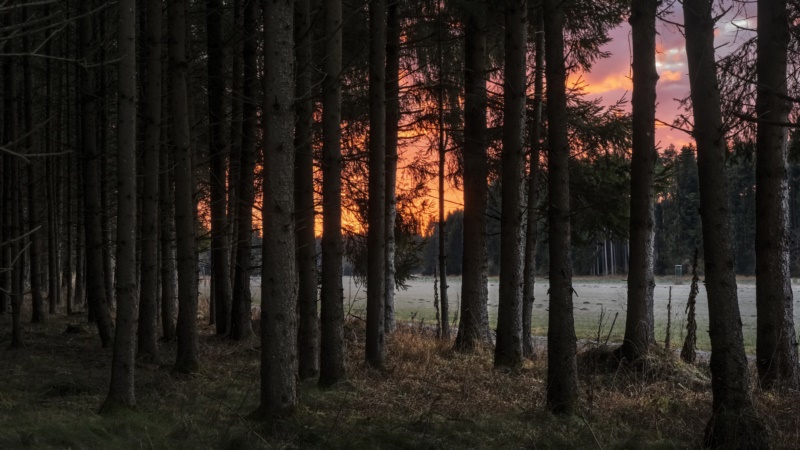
(95, 277)
(531, 230)
(442, 150)
(776, 345)
(166, 224)
(148, 307)
(240, 315)
(186, 360)
(471, 329)
(34, 197)
(562, 378)
(392, 127)
(220, 271)
(508, 349)
(236, 136)
(279, 270)
(121, 391)
(734, 422)
(332, 369)
(52, 193)
(639, 324)
(376, 239)
(308, 325)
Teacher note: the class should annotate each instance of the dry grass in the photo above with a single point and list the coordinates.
(427, 397)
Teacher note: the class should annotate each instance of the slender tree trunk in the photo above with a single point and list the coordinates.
(562, 379)
(148, 307)
(472, 328)
(34, 197)
(236, 134)
(640, 325)
(54, 221)
(279, 269)
(442, 150)
(10, 186)
(532, 231)
(308, 325)
(240, 317)
(217, 177)
(121, 390)
(332, 368)
(776, 345)
(392, 126)
(734, 423)
(166, 220)
(186, 360)
(95, 278)
(376, 239)
(508, 349)
(80, 244)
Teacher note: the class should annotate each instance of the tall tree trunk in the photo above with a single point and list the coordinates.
(776, 342)
(532, 230)
(332, 369)
(376, 239)
(279, 270)
(639, 324)
(217, 176)
(34, 197)
(471, 328)
(508, 350)
(308, 328)
(734, 422)
(95, 278)
(186, 360)
(240, 316)
(148, 306)
(236, 134)
(442, 150)
(54, 221)
(392, 126)
(166, 225)
(562, 377)
(121, 390)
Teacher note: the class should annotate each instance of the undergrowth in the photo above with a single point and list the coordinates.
(428, 396)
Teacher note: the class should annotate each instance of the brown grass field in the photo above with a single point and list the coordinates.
(427, 397)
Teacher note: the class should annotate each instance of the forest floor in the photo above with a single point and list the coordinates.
(427, 397)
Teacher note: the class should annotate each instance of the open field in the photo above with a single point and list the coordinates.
(594, 295)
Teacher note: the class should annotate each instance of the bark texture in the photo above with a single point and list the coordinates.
(562, 378)
(508, 348)
(639, 324)
(776, 342)
(376, 243)
(332, 368)
(733, 423)
(392, 127)
(279, 270)
(472, 330)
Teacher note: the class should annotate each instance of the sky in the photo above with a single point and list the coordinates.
(610, 79)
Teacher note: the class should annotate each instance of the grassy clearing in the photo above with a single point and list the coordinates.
(428, 397)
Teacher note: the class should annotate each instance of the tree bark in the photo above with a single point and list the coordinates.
(148, 307)
(121, 390)
(531, 230)
(332, 368)
(376, 235)
(236, 135)
(734, 423)
(392, 126)
(639, 324)
(240, 315)
(95, 277)
(279, 270)
(220, 271)
(308, 325)
(442, 150)
(562, 378)
(776, 342)
(34, 197)
(508, 349)
(186, 360)
(166, 224)
(472, 329)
